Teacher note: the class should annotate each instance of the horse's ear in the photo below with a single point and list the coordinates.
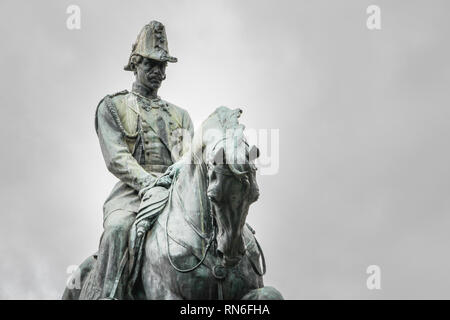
(253, 153)
(219, 156)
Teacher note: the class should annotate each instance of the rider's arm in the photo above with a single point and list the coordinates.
(118, 158)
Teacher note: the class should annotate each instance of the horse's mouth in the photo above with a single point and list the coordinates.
(228, 260)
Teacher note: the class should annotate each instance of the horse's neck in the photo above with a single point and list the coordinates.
(190, 189)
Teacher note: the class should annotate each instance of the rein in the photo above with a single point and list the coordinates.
(210, 240)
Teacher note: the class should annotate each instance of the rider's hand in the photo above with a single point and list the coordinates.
(174, 169)
(164, 181)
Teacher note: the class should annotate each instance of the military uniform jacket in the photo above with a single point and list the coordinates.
(139, 138)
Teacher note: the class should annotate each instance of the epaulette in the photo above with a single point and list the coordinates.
(112, 109)
(118, 93)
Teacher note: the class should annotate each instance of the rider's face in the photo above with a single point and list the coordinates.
(151, 73)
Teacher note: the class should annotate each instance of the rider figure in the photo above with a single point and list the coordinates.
(140, 136)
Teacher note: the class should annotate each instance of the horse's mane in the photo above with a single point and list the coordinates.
(222, 129)
(228, 118)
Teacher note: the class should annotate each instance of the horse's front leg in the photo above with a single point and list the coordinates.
(264, 293)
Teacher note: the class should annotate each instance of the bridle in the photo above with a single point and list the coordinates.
(212, 237)
(227, 171)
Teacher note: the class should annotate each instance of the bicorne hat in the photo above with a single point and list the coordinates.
(151, 43)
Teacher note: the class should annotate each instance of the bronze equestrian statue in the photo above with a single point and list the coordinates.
(174, 225)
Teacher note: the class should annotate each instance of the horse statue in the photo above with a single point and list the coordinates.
(199, 245)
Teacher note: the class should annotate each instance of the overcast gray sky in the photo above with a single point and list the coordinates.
(363, 119)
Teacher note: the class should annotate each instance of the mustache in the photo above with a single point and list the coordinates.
(153, 75)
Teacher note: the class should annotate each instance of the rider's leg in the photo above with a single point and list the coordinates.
(113, 244)
(73, 292)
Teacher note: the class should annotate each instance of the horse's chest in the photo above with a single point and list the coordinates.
(204, 283)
